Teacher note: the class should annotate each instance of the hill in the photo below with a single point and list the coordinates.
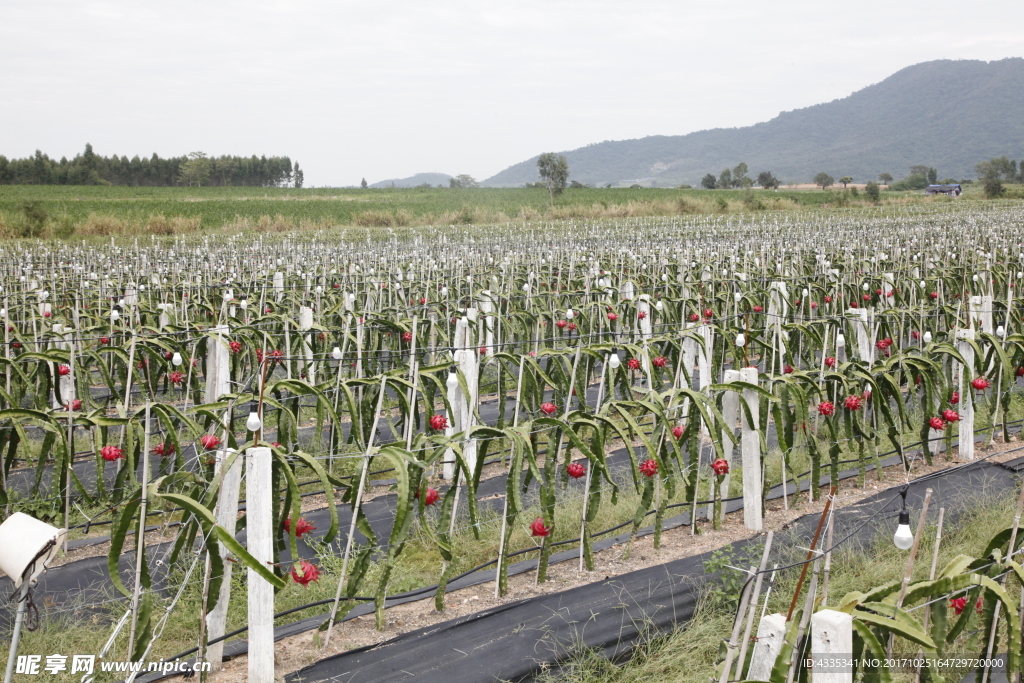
(433, 179)
(948, 114)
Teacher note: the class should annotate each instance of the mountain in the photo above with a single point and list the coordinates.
(433, 179)
(948, 114)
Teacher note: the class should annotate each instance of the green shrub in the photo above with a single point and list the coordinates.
(873, 191)
(34, 216)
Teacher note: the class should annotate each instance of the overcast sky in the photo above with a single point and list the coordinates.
(388, 89)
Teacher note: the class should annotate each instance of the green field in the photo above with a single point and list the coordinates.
(82, 211)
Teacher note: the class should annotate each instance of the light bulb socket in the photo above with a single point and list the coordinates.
(904, 518)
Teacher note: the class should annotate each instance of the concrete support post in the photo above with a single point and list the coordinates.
(979, 311)
(859, 320)
(966, 374)
(832, 638)
(731, 413)
(750, 446)
(227, 516)
(260, 541)
(771, 634)
(305, 327)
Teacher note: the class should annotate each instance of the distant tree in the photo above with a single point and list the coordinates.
(766, 180)
(363, 184)
(873, 192)
(993, 186)
(575, 184)
(885, 178)
(739, 176)
(824, 180)
(933, 176)
(554, 171)
(196, 170)
(709, 182)
(424, 186)
(846, 180)
(298, 175)
(989, 173)
(919, 170)
(725, 179)
(463, 180)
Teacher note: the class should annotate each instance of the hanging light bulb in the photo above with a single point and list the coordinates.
(737, 297)
(1000, 331)
(243, 303)
(336, 353)
(176, 358)
(253, 423)
(659, 306)
(613, 359)
(114, 314)
(927, 337)
(453, 379)
(840, 341)
(568, 313)
(741, 339)
(864, 286)
(526, 287)
(904, 537)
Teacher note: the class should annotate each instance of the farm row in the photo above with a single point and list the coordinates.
(722, 356)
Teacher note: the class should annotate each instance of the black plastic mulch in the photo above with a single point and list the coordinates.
(517, 640)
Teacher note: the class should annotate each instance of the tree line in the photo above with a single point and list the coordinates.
(737, 178)
(195, 169)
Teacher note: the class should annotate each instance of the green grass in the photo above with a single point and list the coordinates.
(97, 210)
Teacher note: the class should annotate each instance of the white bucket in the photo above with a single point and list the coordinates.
(26, 547)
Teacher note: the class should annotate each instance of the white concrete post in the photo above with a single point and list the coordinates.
(966, 394)
(771, 633)
(279, 285)
(260, 542)
(218, 366)
(887, 286)
(832, 637)
(644, 306)
(165, 317)
(750, 445)
(469, 362)
(859, 321)
(778, 309)
(305, 326)
(456, 397)
(486, 305)
(730, 412)
(227, 517)
(689, 353)
(979, 308)
(707, 333)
